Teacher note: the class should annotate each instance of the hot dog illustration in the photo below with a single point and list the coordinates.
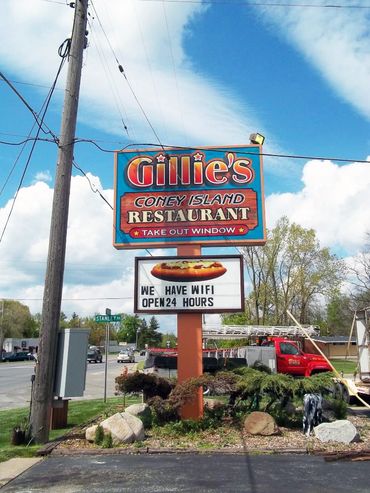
(188, 270)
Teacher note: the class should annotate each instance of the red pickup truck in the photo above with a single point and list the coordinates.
(290, 359)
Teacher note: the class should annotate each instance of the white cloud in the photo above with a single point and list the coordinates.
(178, 101)
(184, 106)
(43, 176)
(94, 269)
(97, 276)
(333, 201)
(335, 41)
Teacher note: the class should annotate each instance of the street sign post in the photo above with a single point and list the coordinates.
(107, 318)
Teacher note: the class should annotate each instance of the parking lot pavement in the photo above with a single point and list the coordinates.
(203, 473)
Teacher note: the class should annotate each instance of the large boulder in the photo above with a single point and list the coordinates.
(259, 423)
(341, 431)
(124, 428)
(90, 433)
(141, 411)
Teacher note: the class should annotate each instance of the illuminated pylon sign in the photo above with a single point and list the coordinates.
(207, 196)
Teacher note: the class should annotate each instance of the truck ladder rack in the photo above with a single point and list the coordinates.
(244, 331)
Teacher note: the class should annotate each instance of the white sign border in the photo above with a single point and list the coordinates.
(164, 311)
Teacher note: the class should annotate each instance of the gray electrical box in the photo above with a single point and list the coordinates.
(70, 371)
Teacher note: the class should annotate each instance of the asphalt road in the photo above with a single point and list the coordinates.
(15, 381)
(189, 473)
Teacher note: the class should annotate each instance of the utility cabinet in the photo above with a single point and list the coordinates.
(70, 371)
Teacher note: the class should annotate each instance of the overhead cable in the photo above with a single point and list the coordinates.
(94, 189)
(63, 52)
(34, 114)
(264, 4)
(168, 147)
(110, 80)
(122, 71)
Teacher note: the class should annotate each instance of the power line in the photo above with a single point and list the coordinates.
(74, 299)
(29, 139)
(110, 80)
(122, 71)
(27, 105)
(168, 147)
(162, 146)
(263, 4)
(180, 106)
(93, 188)
(153, 79)
(32, 84)
(56, 1)
(63, 51)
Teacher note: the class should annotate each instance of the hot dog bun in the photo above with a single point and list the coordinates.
(188, 270)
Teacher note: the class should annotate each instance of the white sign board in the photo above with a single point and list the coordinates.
(205, 284)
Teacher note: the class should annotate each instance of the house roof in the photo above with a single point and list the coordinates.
(334, 339)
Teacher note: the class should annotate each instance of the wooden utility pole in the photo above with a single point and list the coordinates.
(42, 396)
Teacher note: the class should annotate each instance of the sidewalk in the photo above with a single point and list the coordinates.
(14, 467)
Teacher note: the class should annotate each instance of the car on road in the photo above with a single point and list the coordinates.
(15, 356)
(94, 356)
(126, 356)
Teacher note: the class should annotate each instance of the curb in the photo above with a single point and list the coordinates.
(166, 451)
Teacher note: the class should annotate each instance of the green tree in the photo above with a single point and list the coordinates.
(290, 272)
(228, 343)
(32, 329)
(75, 320)
(242, 318)
(130, 324)
(37, 323)
(149, 334)
(153, 324)
(169, 339)
(15, 320)
(97, 331)
(142, 335)
(63, 321)
(339, 315)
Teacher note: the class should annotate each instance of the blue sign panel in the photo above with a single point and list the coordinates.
(208, 196)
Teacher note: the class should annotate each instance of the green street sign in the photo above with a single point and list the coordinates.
(107, 318)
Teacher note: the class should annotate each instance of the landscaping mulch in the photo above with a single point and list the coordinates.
(226, 439)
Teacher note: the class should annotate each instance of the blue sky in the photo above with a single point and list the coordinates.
(205, 74)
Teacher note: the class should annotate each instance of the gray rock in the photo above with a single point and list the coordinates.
(259, 423)
(136, 425)
(124, 428)
(90, 433)
(141, 411)
(341, 431)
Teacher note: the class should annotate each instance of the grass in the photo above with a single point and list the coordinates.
(346, 366)
(79, 413)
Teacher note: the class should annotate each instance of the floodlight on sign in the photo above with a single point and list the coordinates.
(257, 139)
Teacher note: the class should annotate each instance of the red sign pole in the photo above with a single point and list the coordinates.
(189, 339)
